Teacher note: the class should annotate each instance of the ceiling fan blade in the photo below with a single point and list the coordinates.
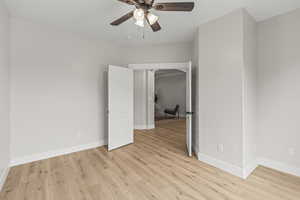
(140, 1)
(130, 2)
(176, 6)
(156, 27)
(122, 19)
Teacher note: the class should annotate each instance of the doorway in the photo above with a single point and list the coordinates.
(132, 98)
(170, 107)
(163, 99)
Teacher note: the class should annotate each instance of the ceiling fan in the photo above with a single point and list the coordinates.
(142, 12)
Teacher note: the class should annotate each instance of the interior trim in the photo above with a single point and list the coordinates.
(50, 154)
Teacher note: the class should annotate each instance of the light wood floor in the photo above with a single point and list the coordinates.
(155, 167)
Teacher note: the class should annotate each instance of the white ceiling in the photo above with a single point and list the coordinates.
(92, 17)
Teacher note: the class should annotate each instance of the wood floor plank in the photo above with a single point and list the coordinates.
(154, 168)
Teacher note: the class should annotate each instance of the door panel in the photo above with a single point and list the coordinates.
(120, 107)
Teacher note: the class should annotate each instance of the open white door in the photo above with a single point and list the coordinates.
(189, 112)
(120, 107)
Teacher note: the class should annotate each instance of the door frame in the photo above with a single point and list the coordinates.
(157, 66)
(183, 66)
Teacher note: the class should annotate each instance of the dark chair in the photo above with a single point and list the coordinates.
(174, 112)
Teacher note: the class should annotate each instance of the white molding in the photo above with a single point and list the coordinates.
(50, 154)
(247, 171)
(157, 66)
(227, 167)
(3, 177)
(289, 169)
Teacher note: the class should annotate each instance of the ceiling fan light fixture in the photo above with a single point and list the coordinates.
(140, 23)
(139, 14)
(152, 18)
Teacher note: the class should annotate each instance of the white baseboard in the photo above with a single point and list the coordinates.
(144, 127)
(152, 126)
(140, 127)
(247, 171)
(279, 166)
(3, 177)
(50, 154)
(232, 169)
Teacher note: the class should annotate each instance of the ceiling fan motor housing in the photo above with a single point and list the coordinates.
(143, 6)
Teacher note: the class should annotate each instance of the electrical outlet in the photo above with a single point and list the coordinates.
(221, 148)
(291, 151)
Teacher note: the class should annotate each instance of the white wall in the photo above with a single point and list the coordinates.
(58, 89)
(227, 92)
(220, 88)
(250, 92)
(279, 88)
(140, 99)
(4, 91)
(165, 53)
(171, 91)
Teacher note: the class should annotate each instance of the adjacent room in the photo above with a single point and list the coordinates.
(149, 99)
(170, 95)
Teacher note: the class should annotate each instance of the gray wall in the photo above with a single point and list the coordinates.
(171, 91)
(58, 89)
(4, 89)
(279, 88)
(227, 62)
(249, 91)
(220, 88)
